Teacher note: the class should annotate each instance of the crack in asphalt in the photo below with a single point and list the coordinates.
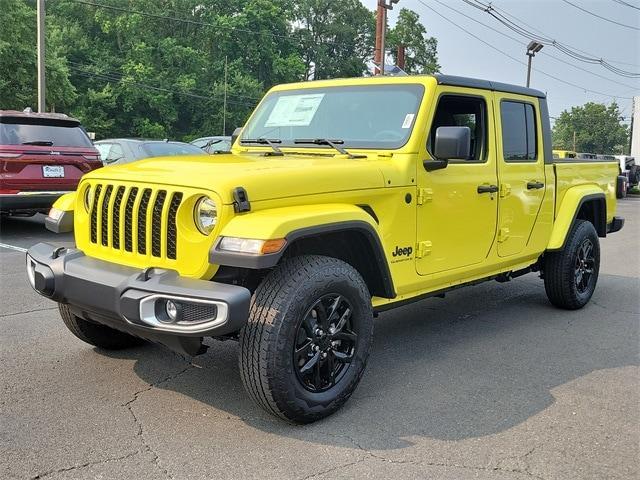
(613, 310)
(370, 454)
(85, 465)
(28, 311)
(155, 459)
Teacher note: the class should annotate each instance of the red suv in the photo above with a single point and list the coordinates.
(42, 156)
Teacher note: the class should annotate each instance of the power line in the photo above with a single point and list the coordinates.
(600, 16)
(288, 38)
(541, 53)
(125, 81)
(517, 60)
(121, 76)
(546, 40)
(507, 14)
(622, 2)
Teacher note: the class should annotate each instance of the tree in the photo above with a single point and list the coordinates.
(598, 129)
(421, 51)
(154, 68)
(18, 61)
(337, 38)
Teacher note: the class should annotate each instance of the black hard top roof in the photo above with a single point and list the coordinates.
(487, 85)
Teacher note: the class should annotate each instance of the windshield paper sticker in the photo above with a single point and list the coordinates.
(294, 110)
(408, 119)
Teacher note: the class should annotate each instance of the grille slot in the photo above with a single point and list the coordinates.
(104, 220)
(94, 214)
(116, 217)
(172, 247)
(118, 210)
(142, 221)
(128, 220)
(156, 224)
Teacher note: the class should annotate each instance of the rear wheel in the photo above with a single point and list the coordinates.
(306, 344)
(570, 275)
(95, 334)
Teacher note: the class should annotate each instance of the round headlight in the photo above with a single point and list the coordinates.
(206, 215)
(88, 198)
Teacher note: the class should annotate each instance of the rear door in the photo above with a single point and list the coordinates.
(520, 170)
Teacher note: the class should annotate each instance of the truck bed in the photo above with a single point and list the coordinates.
(600, 173)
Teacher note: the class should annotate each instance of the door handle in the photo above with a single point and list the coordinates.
(487, 188)
(534, 185)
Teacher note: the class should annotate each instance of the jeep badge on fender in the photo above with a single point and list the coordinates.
(323, 236)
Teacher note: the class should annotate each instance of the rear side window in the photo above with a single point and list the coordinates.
(61, 134)
(518, 132)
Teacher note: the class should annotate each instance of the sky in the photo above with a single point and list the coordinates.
(461, 54)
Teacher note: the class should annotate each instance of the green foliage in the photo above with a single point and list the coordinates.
(337, 37)
(421, 56)
(18, 61)
(124, 73)
(598, 129)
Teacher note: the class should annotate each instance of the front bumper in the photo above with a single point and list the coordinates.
(132, 300)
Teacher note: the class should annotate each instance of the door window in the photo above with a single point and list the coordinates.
(462, 111)
(519, 143)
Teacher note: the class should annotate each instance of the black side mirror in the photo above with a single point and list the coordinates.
(234, 136)
(452, 143)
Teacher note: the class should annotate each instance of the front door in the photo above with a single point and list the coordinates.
(520, 170)
(457, 206)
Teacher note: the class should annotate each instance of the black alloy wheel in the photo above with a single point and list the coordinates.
(325, 343)
(585, 261)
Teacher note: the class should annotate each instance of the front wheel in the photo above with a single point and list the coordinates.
(570, 275)
(306, 343)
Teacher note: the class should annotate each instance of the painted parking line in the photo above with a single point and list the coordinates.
(13, 247)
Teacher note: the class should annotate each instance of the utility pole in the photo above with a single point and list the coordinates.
(381, 30)
(378, 50)
(574, 141)
(401, 51)
(224, 103)
(533, 48)
(41, 71)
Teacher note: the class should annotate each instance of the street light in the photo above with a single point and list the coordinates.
(533, 48)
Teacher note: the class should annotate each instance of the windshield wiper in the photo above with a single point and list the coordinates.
(43, 143)
(266, 141)
(335, 144)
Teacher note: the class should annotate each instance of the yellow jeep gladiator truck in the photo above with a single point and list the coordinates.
(339, 199)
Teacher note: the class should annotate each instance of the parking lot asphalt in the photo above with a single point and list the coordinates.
(490, 382)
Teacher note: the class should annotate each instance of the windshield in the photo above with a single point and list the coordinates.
(162, 149)
(56, 135)
(371, 116)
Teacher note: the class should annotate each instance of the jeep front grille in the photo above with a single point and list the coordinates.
(141, 220)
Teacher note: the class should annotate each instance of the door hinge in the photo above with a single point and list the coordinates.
(505, 189)
(423, 249)
(424, 195)
(503, 234)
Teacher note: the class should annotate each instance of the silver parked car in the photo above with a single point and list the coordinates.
(124, 150)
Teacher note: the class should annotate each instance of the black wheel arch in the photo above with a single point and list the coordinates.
(354, 242)
(592, 208)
